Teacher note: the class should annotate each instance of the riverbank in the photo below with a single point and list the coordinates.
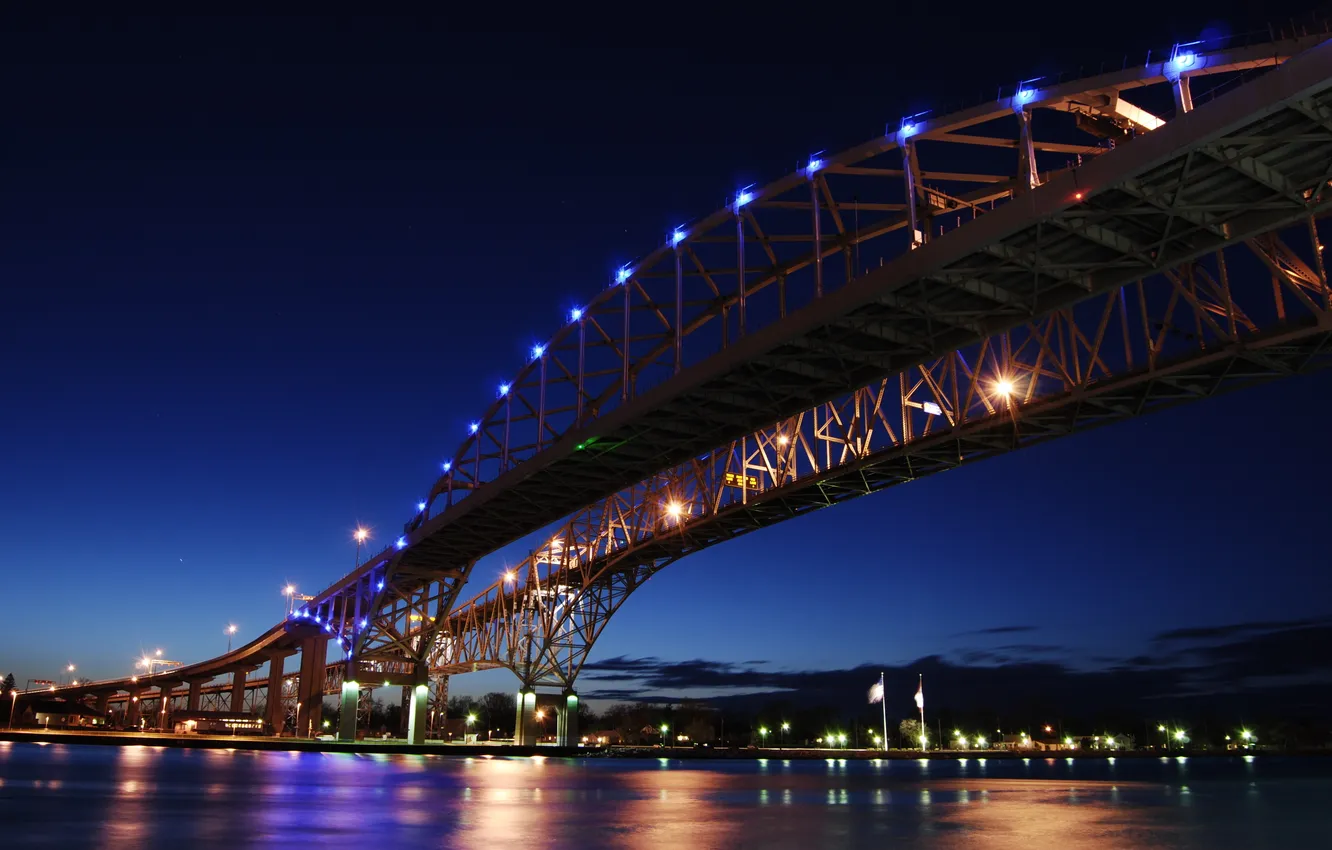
(224, 742)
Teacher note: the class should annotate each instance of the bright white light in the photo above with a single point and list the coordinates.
(401, 543)
(448, 464)
(931, 408)
(509, 576)
(537, 351)
(504, 389)
(575, 314)
(674, 510)
(1025, 95)
(743, 198)
(289, 590)
(677, 236)
(1004, 387)
(471, 429)
(361, 535)
(783, 440)
(420, 506)
(908, 130)
(1184, 58)
(623, 274)
(814, 165)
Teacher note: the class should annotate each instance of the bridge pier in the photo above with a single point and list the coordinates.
(238, 692)
(274, 712)
(132, 708)
(163, 718)
(524, 721)
(103, 703)
(567, 734)
(349, 701)
(418, 712)
(310, 686)
(196, 694)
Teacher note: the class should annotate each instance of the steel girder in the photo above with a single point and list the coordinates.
(1254, 312)
(774, 305)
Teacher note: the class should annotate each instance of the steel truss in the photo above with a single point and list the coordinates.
(1254, 312)
(778, 303)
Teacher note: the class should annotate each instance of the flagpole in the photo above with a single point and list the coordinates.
(921, 690)
(884, 705)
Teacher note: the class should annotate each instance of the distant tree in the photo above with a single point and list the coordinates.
(498, 709)
(910, 730)
(7, 685)
(461, 706)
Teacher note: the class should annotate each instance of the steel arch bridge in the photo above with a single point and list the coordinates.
(1069, 255)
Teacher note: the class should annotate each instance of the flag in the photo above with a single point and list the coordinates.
(920, 696)
(876, 692)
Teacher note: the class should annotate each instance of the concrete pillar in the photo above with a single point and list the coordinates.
(310, 687)
(132, 707)
(163, 718)
(524, 723)
(196, 694)
(418, 710)
(568, 731)
(238, 692)
(351, 693)
(275, 712)
(103, 703)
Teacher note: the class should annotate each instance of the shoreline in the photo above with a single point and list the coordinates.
(398, 746)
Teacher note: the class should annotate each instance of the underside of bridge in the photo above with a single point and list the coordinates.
(1073, 254)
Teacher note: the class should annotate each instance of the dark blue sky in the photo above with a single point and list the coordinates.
(256, 276)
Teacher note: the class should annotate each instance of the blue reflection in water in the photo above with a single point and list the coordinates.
(67, 796)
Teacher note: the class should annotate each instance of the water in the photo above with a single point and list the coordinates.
(80, 796)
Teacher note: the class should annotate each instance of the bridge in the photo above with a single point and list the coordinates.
(1071, 254)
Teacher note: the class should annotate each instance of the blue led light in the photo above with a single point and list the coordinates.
(537, 351)
(420, 506)
(909, 129)
(316, 618)
(304, 613)
(575, 314)
(1184, 58)
(381, 585)
(471, 429)
(504, 389)
(328, 627)
(677, 236)
(623, 274)
(364, 623)
(448, 464)
(815, 163)
(1025, 95)
(743, 198)
(402, 543)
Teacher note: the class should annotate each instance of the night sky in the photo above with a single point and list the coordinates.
(257, 275)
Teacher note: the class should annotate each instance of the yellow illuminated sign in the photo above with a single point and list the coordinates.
(735, 479)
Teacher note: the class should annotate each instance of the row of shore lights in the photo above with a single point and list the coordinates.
(1182, 59)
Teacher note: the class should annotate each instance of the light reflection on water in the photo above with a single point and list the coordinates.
(106, 797)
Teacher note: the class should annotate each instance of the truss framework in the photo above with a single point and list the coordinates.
(1186, 334)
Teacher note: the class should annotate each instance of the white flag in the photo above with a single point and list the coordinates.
(876, 692)
(920, 696)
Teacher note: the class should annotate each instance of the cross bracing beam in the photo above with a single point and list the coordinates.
(603, 404)
(1179, 336)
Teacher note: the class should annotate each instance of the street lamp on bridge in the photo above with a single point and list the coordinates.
(230, 630)
(361, 535)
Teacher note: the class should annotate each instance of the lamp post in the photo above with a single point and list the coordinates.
(360, 536)
(664, 727)
(13, 706)
(781, 741)
(1160, 727)
(471, 719)
(763, 736)
(70, 670)
(230, 630)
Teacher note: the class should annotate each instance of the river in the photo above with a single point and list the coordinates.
(59, 795)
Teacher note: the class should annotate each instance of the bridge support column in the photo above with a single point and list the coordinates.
(418, 713)
(350, 701)
(274, 712)
(103, 703)
(567, 736)
(163, 719)
(238, 692)
(132, 707)
(310, 688)
(524, 721)
(196, 694)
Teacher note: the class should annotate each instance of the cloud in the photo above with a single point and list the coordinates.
(998, 630)
(1232, 630)
(1242, 669)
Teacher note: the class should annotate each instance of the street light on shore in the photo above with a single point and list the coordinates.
(786, 727)
(664, 727)
(763, 735)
